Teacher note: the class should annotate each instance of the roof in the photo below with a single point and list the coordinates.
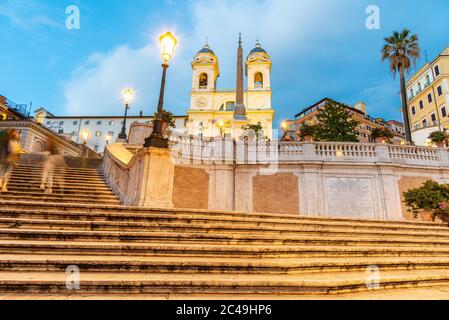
(104, 117)
(258, 49)
(206, 49)
(326, 100)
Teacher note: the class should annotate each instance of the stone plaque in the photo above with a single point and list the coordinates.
(350, 197)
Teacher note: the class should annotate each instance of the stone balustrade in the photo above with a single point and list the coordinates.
(311, 179)
(226, 150)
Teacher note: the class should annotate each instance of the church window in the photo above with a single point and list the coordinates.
(228, 106)
(258, 80)
(203, 81)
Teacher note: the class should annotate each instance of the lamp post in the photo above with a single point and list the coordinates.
(168, 43)
(85, 136)
(128, 94)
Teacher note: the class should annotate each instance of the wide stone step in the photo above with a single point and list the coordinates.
(58, 171)
(45, 221)
(175, 283)
(68, 176)
(67, 182)
(127, 214)
(48, 199)
(184, 237)
(61, 190)
(38, 167)
(57, 186)
(207, 250)
(79, 195)
(38, 263)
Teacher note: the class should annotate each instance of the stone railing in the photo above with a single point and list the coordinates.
(226, 150)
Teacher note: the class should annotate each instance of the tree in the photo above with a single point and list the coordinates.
(167, 117)
(335, 123)
(402, 50)
(253, 131)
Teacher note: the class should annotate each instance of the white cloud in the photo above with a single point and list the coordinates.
(287, 29)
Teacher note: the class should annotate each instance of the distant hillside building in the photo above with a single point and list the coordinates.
(428, 99)
(358, 112)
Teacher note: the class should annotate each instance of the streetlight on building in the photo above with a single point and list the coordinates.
(168, 44)
(128, 94)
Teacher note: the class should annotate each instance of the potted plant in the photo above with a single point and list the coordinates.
(439, 138)
(381, 135)
(307, 132)
(430, 201)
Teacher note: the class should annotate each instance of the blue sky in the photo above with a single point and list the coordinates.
(320, 48)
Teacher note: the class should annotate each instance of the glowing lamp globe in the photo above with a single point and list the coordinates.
(168, 44)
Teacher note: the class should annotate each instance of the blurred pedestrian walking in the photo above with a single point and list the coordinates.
(10, 151)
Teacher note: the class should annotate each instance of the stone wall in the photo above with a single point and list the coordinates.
(191, 188)
(316, 180)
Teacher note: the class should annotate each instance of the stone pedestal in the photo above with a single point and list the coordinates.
(157, 175)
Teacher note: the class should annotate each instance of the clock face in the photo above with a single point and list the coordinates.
(201, 102)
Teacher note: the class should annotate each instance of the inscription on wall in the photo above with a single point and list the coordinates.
(350, 197)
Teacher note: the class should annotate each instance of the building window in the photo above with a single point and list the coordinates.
(75, 123)
(437, 71)
(258, 80)
(413, 110)
(60, 131)
(421, 105)
(98, 134)
(429, 97)
(111, 123)
(424, 123)
(433, 117)
(98, 123)
(419, 87)
(96, 148)
(443, 112)
(440, 91)
(427, 80)
(86, 123)
(203, 81)
(48, 123)
(61, 123)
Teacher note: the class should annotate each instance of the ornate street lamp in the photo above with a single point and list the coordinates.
(85, 137)
(168, 44)
(128, 94)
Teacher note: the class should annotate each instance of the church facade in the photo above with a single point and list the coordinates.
(214, 112)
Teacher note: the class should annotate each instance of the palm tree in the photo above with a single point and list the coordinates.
(402, 50)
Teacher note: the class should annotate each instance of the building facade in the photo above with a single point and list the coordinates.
(428, 99)
(358, 112)
(100, 131)
(214, 112)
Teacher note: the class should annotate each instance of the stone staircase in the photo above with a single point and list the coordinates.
(152, 253)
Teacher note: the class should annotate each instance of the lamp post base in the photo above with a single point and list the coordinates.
(156, 140)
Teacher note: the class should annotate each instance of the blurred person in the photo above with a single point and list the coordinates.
(9, 156)
(53, 159)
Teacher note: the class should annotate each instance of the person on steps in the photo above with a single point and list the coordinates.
(53, 159)
(9, 157)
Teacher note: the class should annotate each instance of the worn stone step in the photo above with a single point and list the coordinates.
(46, 199)
(103, 248)
(66, 177)
(76, 196)
(57, 186)
(58, 171)
(122, 213)
(40, 166)
(68, 182)
(157, 283)
(47, 221)
(86, 263)
(184, 237)
(64, 190)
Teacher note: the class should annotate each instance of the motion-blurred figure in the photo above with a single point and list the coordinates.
(53, 159)
(10, 151)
